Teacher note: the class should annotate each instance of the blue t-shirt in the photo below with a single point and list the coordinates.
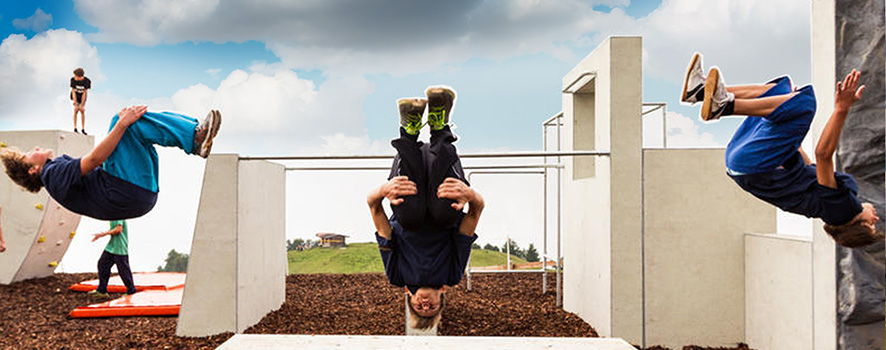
(794, 188)
(431, 256)
(97, 194)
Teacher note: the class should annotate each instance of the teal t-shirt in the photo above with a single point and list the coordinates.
(119, 243)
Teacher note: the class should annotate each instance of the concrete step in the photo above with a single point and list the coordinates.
(370, 342)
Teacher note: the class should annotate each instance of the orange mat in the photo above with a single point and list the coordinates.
(147, 303)
(142, 280)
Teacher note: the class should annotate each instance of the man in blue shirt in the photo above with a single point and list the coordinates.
(764, 156)
(426, 243)
(118, 179)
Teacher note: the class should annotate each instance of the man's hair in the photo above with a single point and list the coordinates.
(78, 72)
(853, 234)
(421, 322)
(17, 169)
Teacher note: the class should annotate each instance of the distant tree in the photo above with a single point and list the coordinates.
(475, 246)
(293, 244)
(514, 248)
(175, 262)
(531, 253)
(490, 247)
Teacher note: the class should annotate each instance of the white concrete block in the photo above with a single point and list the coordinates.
(351, 342)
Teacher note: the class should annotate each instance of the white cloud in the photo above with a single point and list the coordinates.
(213, 72)
(35, 76)
(683, 132)
(38, 22)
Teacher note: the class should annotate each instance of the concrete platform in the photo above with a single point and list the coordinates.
(369, 342)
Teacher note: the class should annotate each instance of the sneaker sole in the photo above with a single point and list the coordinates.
(709, 87)
(692, 62)
(215, 123)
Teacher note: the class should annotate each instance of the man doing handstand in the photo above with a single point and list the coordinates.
(426, 243)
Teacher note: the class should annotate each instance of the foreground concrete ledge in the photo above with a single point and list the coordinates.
(346, 342)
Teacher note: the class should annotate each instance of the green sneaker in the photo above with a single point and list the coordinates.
(440, 101)
(411, 110)
(96, 294)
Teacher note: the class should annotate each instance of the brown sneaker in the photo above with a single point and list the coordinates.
(205, 133)
(440, 101)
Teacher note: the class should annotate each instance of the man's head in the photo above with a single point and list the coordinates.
(25, 169)
(78, 72)
(858, 232)
(426, 306)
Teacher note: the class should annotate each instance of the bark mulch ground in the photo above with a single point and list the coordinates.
(34, 314)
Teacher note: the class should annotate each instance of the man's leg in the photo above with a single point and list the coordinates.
(409, 162)
(135, 159)
(442, 156)
(104, 271)
(125, 273)
(445, 163)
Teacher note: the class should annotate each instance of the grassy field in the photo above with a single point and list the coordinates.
(364, 257)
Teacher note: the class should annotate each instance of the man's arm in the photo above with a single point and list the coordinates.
(848, 92)
(100, 153)
(456, 190)
(395, 188)
(114, 231)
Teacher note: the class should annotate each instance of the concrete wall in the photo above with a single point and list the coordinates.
(36, 239)
(694, 222)
(237, 266)
(602, 198)
(779, 292)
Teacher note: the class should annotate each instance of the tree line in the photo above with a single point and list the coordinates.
(530, 254)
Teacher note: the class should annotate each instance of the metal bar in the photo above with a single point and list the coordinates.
(544, 254)
(467, 155)
(507, 271)
(657, 106)
(477, 167)
(559, 233)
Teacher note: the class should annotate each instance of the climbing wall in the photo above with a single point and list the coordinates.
(860, 273)
(37, 230)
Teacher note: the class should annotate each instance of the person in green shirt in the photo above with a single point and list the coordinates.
(116, 253)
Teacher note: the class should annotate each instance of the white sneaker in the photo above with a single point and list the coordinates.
(717, 100)
(693, 84)
(205, 133)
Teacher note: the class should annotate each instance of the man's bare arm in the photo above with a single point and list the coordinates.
(848, 92)
(100, 153)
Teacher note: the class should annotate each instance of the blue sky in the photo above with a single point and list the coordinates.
(322, 77)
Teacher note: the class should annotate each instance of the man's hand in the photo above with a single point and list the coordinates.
(96, 236)
(456, 190)
(129, 115)
(397, 187)
(2, 246)
(848, 91)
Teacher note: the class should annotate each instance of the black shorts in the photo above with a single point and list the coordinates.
(77, 96)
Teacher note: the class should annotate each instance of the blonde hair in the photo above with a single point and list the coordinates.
(853, 234)
(17, 170)
(422, 322)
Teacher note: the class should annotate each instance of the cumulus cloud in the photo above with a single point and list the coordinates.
(35, 75)
(38, 22)
(682, 132)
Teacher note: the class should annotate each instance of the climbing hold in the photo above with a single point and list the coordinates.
(39, 206)
(73, 234)
(59, 242)
(41, 239)
(2, 144)
(53, 263)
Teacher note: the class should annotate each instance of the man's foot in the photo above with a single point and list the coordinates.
(205, 133)
(84, 132)
(440, 101)
(76, 131)
(717, 101)
(96, 294)
(693, 84)
(411, 110)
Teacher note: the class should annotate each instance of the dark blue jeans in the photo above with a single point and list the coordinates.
(427, 165)
(104, 271)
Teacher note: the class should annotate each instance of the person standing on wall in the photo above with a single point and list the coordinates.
(80, 84)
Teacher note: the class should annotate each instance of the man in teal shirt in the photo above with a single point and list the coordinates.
(116, 253)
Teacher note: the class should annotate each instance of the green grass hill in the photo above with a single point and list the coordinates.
(364, 257)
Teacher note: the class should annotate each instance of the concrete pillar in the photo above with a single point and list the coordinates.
(237, 267)
(849, 297)
(602, 232)
(37, 230)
